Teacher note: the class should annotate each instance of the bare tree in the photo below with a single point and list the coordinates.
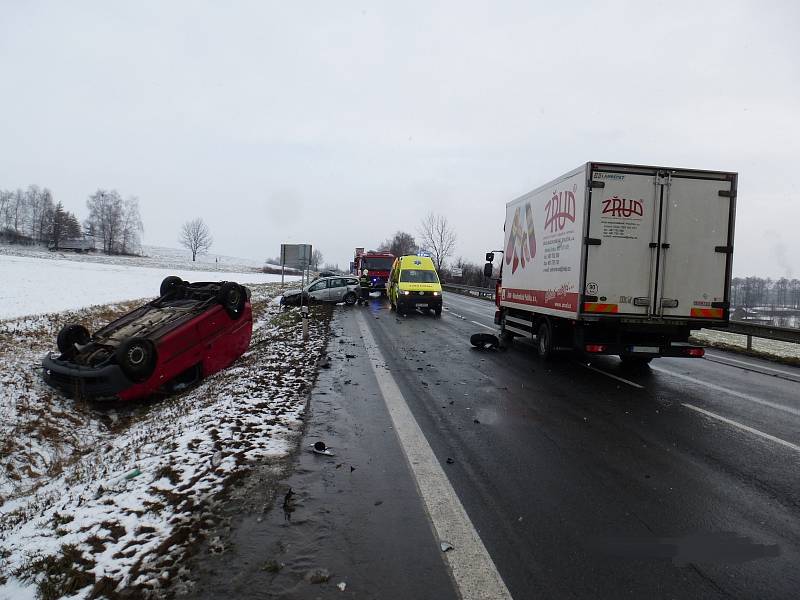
(437, 238)
(316, 260)
(131, 227)
(196, 237)
(105, 217)
(401, 244)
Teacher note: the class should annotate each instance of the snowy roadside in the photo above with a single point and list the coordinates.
(769, 349)
(106, 501)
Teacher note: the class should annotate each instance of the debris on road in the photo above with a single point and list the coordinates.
(321, 448)
(318, 576)
(446, 546)
(484, 341)
(450, 461)
(342, 586)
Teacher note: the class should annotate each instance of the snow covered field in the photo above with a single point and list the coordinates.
(35, 285)
(153, 256)
(95, 499)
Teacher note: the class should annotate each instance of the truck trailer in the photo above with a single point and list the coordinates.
(618, 259)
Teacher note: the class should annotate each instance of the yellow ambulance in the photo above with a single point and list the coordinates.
(414, 283)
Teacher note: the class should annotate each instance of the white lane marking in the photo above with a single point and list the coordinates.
(622, 379)
(754, 366)
(743, 427)
(719, 388)
(473, 570)
(482, 325)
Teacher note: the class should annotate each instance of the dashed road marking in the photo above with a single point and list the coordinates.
(743, 427)
(719, 388)
(473, 569)
(622, 379)
(482, 325)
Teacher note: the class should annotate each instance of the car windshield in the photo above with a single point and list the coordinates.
(377, 263)
(418, 276)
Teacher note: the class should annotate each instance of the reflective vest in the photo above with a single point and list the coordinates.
(364, 282)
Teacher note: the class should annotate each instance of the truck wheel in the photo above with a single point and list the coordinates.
(70, 335)
(170, 284)
(350, 298)
(232, 297)
(505, 336)
(437, 311)
(544, 340)
(137, 358)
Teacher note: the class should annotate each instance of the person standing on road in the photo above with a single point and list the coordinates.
(363, 283)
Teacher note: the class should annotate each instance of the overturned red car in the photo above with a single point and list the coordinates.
(189, 332)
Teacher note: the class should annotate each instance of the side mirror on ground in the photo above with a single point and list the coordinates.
(490, 257)
(487, 268)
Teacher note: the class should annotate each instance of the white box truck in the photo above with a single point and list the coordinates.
(618, 259)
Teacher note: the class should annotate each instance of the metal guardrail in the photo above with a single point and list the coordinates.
(751, 330)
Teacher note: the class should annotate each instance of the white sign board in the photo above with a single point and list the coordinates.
(456, 272)
(295, 256)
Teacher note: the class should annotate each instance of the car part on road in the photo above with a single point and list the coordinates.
(484, 341)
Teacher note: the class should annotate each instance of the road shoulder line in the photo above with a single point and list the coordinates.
(473, 569)
(719, 388)
(743, 427)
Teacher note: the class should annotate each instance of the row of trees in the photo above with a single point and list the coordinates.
(32, 216)
(749, 292)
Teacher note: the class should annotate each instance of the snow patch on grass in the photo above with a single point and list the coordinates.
(99, 500)
(761, 346)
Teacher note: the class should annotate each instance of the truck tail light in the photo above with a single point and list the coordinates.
(595, 348)
(695, 352)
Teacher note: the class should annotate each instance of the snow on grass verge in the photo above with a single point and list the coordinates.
(785, 352)
(108, 502)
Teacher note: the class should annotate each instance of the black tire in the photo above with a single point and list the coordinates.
(505, 335)
(170, 285)
(137, 358)
(544, 340)
(401, 310)
(484, 340)
(350, 299)
(70, 335)
(437, 311)
(232, 296)
(635, 362)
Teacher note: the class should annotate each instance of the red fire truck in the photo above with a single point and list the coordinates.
(377, 263)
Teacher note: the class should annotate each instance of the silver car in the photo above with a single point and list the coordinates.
(326, 289)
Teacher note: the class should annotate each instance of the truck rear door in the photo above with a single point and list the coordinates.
(659, 242)
(623, 217)
(696, 245)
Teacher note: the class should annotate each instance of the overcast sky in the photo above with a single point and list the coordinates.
(337, 123)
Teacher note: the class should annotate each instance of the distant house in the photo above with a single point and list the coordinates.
(85, 244)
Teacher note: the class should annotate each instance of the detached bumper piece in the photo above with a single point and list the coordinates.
(76, 381)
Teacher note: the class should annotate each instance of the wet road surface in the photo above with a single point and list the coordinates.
(583, 481)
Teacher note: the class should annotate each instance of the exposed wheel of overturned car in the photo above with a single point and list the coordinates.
(171, 284)
(137, 358)
(71, 334)
(232, 296)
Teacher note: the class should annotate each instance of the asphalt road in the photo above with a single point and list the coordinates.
(582, 485)
(581, 480)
